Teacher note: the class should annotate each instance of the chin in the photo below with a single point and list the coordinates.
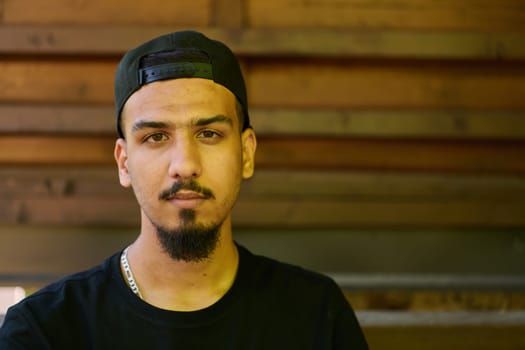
(190, 243)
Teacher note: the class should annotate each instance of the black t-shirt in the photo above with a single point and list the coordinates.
(271, 305)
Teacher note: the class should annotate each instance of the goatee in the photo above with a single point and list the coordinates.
(190, 242)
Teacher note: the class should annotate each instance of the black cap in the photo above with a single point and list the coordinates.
(175, 55)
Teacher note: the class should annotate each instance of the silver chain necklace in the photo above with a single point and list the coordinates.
(129, 275)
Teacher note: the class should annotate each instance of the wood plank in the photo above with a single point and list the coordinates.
(227, 13)
(442, 337)
(394, 258)
(315, 42)
(52, 182)
(184, 13)
(509, 15)
(59, 118)
(363, 154)
(47, 252)
(57, 81)
(465, 124)
(271, 212)
(389, 123)
(71, 211)
(370, 185)
(380, 44)
(443, 319)
(477, 281)
(437, 300)
(330, 213)
(75, 196)
(366, 84)
(56, 150)
(296, 84)
(503, 157)
(451, 15)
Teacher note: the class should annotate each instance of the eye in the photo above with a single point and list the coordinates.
(156, 138)
(208, 134)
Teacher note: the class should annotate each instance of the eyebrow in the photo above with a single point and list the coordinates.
(144, 124)
(216, 119)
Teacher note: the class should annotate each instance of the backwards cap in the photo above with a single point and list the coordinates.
(183, 54)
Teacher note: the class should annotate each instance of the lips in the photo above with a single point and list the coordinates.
(183, 195)
(186, 199)
(189, 190)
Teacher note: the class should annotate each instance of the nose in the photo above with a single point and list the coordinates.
(185, 161)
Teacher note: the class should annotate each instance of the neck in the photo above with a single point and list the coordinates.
(179, 285)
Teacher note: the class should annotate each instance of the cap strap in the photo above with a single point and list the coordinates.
(175, 70)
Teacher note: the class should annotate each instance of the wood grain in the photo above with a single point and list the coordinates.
(423, 15)
(388, 155)
(391, 143)
(52, 182)
(227, 13)
(274, 213)
(62, 81)
(386, 84)
(295, 83)
(296, 153)
(370, 262)
(93, 197)
(111, 40)
(419, 124)
(437, 300)
(453, 338)
(184, 13)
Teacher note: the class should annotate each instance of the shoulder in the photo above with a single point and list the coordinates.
(70, 292)
(48, 310)
(80, 281)
(267, 272)
(307, 302)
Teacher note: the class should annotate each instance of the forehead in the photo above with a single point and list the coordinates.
(182, 99)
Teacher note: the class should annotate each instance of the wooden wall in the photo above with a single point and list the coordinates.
(391, 149)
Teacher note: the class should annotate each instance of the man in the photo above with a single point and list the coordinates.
(185, 144)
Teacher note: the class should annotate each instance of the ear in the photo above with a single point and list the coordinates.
(249, 144)
(121, 157)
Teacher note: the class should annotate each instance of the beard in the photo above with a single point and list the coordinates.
(191, 242)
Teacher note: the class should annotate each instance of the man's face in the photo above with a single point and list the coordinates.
(184, 155)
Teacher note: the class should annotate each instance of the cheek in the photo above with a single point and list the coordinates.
(224, 173)
(229, 164)
(144, 177)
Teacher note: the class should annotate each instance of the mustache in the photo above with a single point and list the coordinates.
(191, 185)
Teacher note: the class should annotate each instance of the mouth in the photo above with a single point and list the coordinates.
(186, 199)
(186, 195)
